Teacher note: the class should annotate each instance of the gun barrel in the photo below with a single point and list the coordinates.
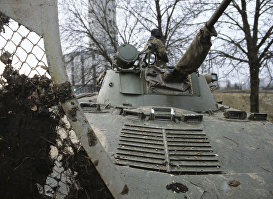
(198, 50)
(218, 13)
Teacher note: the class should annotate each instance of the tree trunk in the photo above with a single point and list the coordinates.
(82, 70)
(254, 89)
(73, 73)
(94, 77)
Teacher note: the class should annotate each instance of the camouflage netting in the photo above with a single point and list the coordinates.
(28, 129)
(40, 156)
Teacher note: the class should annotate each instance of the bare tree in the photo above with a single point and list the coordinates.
(175, 20)
(248, 41)
(87, 29)
(87, 26)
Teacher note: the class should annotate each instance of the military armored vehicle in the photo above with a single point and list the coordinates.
(152, 138)
(171, 139)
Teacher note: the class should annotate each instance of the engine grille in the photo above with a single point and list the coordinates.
(167, 150)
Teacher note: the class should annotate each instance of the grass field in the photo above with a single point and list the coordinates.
(240, 100)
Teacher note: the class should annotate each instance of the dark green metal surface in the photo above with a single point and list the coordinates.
(242, 147)
(112, 92)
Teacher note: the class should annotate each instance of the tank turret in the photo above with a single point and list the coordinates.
(138, 78)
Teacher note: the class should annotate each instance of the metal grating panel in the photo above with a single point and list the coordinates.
(179, 151)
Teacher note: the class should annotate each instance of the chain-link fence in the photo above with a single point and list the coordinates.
(40, 154)
(22, 48)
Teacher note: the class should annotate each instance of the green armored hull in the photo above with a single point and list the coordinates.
(167, 136)
(180, 145)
